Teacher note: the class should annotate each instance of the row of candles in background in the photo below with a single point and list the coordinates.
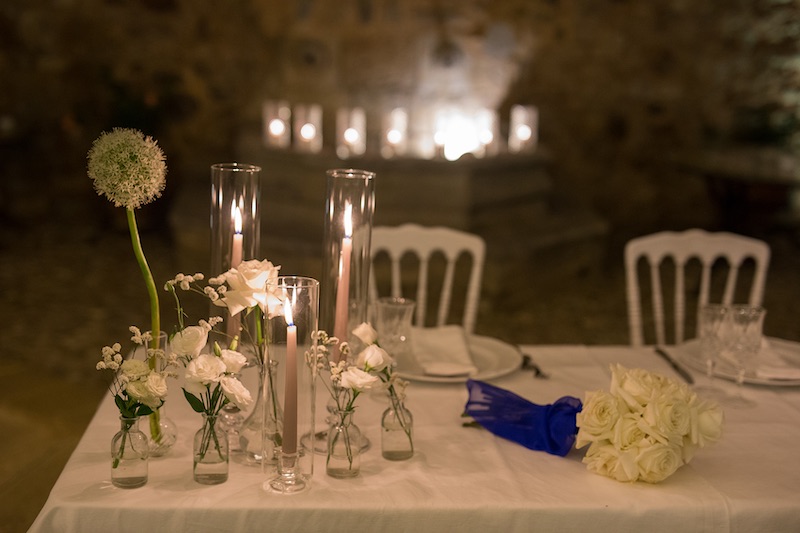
(445, 132)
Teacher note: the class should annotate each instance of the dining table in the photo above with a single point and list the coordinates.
(461, 477)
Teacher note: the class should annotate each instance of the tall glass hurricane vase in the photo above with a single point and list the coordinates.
(292, 344)
(349, 209)
(235, 224)
(235, 237)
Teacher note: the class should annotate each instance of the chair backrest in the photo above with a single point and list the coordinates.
(682, 247)
(423, 243)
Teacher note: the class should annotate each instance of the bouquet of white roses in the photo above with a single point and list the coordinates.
(645, 427)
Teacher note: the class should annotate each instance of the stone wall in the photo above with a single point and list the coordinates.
(624, 87)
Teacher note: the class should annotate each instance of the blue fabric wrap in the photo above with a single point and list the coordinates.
(550, 428)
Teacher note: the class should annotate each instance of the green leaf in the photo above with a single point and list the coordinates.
(195, 402)
(143, 410)
(124, 408)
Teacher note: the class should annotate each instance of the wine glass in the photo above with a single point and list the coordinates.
(711, 322)
(742, 343)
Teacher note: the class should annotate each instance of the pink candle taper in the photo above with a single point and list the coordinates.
(236, 259)
(290, 392)
(343, 287)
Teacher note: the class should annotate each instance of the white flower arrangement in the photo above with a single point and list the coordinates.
(645, 427)
(138, 389)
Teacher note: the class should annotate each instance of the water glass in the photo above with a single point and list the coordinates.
(742, 342)
(393, 317)
(711, 326)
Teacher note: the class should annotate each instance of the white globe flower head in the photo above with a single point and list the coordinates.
(127, 167)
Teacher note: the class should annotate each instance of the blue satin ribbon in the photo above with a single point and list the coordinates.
(550, 428)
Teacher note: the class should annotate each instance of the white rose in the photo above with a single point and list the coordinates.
(248, 285)
(604, 459)
(707, 420)
(628, 433)
(236, 392)
(373, 357)
(189, 341)
(139, 391)
(671, 418)
(134, 369)
(658, 461)
(596, 419)
(637, 387)
(366, 333)
(205, 369)
(358, 380)
(234, 361)
(156, 384)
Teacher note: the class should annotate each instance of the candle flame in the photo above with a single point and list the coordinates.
(287, 312)
(348, 220)
(237, 220)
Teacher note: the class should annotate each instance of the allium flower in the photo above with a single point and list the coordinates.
(127, 167)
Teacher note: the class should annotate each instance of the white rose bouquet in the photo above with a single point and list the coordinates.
(645, 427)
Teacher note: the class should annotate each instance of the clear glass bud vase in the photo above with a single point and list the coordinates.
(397, 425)
(210, 453)
(129, 455)
(344, 450)
(261, 432)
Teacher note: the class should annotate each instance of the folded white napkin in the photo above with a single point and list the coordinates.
(443, 351)
(772, 365)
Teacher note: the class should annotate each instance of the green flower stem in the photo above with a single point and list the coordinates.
(155, 313)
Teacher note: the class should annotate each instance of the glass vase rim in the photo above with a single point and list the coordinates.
(236, 167)
(301, 281)
(350, 173)
(397, 300)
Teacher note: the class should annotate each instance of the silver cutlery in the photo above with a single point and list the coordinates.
(682, 372)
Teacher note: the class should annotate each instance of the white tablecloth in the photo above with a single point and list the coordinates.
(461, 478)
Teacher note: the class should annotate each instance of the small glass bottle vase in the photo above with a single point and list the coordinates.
(210, 453)
(397, 425)
(129, 455)
(344, 450)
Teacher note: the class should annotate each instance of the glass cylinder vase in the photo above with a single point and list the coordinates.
(235, 223)
(293, 324)
(349, 209)
(210, 453)
(129, 455)
(344, 453)
(397, 425)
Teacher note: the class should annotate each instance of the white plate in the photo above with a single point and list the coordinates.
(789, 352)
(494, 358)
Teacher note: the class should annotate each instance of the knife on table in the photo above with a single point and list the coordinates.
(682, 372)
